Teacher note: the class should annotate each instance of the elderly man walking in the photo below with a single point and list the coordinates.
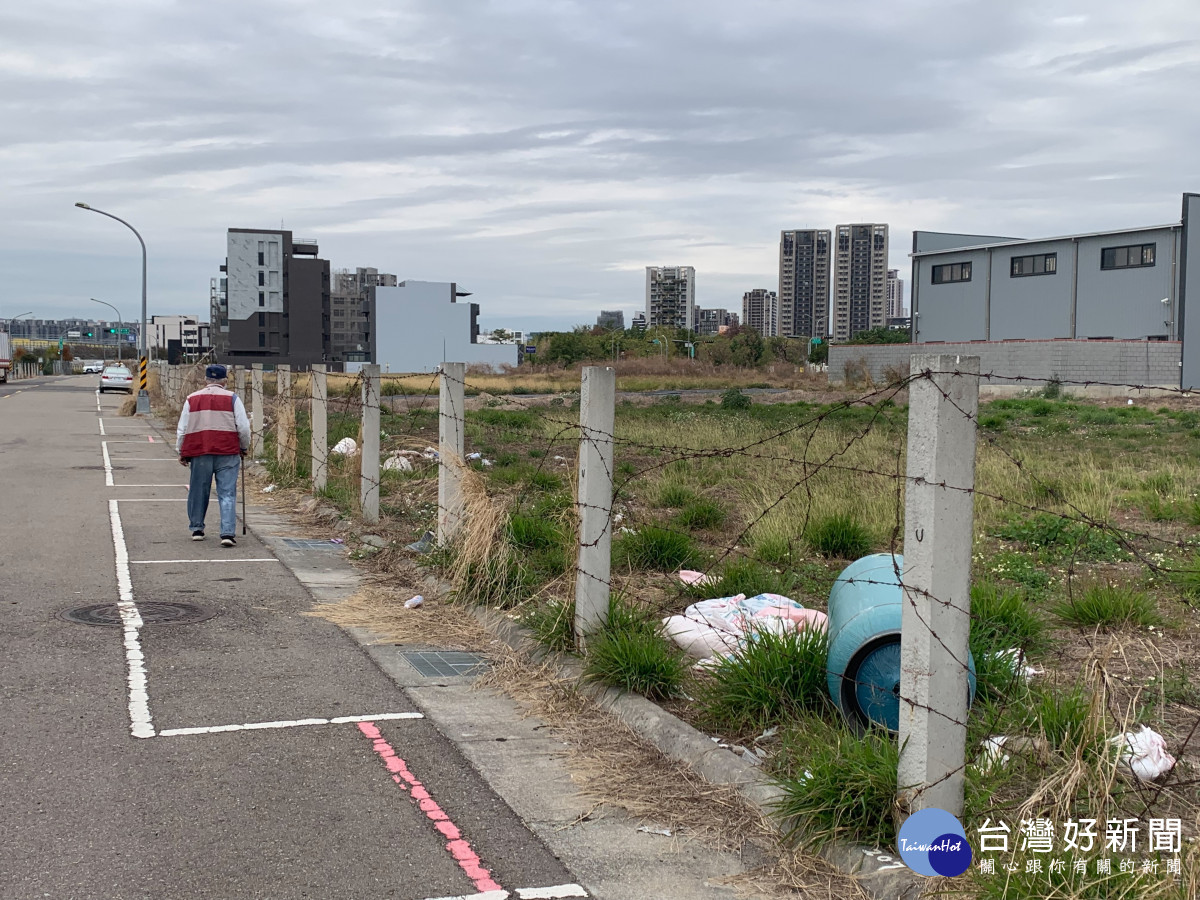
(212, 438)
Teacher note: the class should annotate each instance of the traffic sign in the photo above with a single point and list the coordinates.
(531, 349)
(73, 334)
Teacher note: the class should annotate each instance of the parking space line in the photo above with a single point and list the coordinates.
(229, 559)
(108, 479)
(140, 724)
(101, 421)
(296, 723)
(152, 500)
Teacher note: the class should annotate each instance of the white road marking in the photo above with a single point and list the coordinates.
(173, 459)
(486, 895)
(140, 725)
(297, 723)
(230, 559)
(152, 499)
(551, 893)
(101, 421)
(108, 482)
(160, 484)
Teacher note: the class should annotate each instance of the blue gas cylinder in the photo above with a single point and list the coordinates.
(863, 671)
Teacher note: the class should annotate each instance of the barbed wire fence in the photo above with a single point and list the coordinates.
(853, 451)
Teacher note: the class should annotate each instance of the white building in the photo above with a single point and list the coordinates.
(760, 311)
(421, 324)
(895, 294)
(185, 329)
(670, 296)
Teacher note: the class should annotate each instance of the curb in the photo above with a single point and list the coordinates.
(880, 874)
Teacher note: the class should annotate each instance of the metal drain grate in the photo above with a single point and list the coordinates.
(309, 544)
(444, 663)
(153, 612)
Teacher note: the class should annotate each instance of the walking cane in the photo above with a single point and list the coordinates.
(243, 496)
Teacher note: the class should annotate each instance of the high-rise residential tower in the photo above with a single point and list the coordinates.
(760, 311)
(670, 296)
(803, 284)
(895, 294)
(860, 279)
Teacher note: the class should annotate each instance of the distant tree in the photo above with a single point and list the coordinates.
(881, 335)
(67, 355)
(819, 353)
(501, 335)
(570, 347)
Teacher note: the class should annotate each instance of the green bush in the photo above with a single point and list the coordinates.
(732, 398)
(674, 495)
(838, 536)
(656, 548)
(770, 677)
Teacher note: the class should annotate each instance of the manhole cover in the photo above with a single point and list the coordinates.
(444, 663)
(153, 612)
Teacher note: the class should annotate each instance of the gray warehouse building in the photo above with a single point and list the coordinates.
(1129, 284)
(1078, 306)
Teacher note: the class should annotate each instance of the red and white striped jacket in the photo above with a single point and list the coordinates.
(214, 422)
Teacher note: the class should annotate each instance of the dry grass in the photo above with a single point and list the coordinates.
(379, 608)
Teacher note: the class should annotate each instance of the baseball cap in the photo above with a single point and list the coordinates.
(215, 373)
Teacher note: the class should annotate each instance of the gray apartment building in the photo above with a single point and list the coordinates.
(611, 320)
(670, 296)
(711, 321)
(803, 299)
(760, 311)
(860, 279)
(351, 312)
(273, 305)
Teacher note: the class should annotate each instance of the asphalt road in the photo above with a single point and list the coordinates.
(120, 776)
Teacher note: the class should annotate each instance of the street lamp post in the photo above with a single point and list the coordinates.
(143, 401)
(120, 324)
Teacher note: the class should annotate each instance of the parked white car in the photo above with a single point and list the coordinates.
(116, 378)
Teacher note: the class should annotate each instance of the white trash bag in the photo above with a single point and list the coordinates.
(1145, 752)
(347, 446)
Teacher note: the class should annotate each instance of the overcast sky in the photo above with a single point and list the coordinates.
(541, 153)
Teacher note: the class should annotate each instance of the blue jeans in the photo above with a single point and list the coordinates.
(226, 469)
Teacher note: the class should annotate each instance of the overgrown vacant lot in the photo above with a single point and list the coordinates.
(1086, 525)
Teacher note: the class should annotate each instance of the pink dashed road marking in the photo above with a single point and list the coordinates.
(456, 845)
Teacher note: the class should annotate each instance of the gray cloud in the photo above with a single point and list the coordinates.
(543, 152)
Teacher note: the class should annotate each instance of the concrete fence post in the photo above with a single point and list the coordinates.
(936, 618)
(320, 429)
(285, 418)
(256, 411)
(597, 410)
(450, 451)
(369, 452)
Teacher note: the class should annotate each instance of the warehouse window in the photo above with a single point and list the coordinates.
(952, 272)
(1039, 264)
(1130, 257)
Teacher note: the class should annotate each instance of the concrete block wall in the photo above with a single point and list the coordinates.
(1142, 363)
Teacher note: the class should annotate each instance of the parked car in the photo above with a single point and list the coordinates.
(93, 368)
(116, 378)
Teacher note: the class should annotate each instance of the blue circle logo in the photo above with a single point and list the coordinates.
(933, 842)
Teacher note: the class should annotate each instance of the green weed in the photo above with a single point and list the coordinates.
(630, 653)
(732, 398)
(656, 548)
(1108, 606)
(838, 536)
(553, 624)
(771, 676)
(701, 513)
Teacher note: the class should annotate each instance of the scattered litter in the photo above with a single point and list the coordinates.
(336, 541)
(268, 489)
(347, 446)
(414, 602)
(1129, 403)
(618, 518)
(720, 626)
(646, 829)
(753, 755)
(475, 455)
(1014, 658)
(692, 577)
(768, 734)
(486, 462)
(424, 545)
(993, 754)
(397, 464)
(406, 453)
(560, 459)
(1145, 752)
(625, 530)
(429, 453)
